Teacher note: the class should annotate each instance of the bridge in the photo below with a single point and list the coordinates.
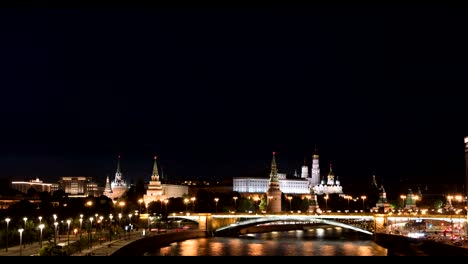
(370, 223)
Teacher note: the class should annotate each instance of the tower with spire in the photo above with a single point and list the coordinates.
(304, 170)
(331, 176)
(107, 188)
(118, 186)
(382, 203)
(274, 192)
(315, 171)
(155, 191)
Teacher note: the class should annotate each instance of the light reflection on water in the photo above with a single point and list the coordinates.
(313, 242)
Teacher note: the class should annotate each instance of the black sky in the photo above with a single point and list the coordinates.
(214, 90)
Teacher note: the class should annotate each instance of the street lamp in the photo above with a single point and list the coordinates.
(193, 203)
(121, 204)
(21, 240)
(139, 202)
(326, 200)
(363, 199)
(40, 219)
(7, 220)
(110, 227)
(186, 201)
(81, 223)
(216, 204)
(165, 203)
(348, 197)
(235, 202)
(290, 207)
(41, 226)
(68, 232)
(55, 233)
(91, 232)
(25, 219)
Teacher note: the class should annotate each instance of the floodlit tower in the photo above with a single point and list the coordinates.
(274, 191)
(304, 170)
(315, 180)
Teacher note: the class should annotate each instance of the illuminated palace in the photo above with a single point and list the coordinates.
(303, 185)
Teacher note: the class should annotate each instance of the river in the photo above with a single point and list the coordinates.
(329, 241)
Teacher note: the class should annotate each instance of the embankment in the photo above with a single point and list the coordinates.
(407, 246)
(149, 243)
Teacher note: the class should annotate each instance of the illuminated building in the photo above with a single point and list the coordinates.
(38, 185)
(382, 203)
(156, 191)
(118, 186)
(299, 186)
(273, 193)
(78, 186)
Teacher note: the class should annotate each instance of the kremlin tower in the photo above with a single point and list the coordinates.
(117, 187)
(274, 193)
(315, 180)
(155, 190)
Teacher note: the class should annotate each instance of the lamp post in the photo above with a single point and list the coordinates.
(90, 235)
(235, 202)
(41, 226)
(290, 207)
(68, 232)
(55, 233)
(121, 204)
(165, 203)
(129, 224)
(21, 240)
(348, 197)
(326, 204)
(25, 219)
(193, 203)
(7, 220)
(186, 201)
(40, 219)
(110, 227)
(216, 204)
(139, 202)
(363, 199)
(81, 224)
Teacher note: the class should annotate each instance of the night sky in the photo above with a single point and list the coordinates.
(214, 90)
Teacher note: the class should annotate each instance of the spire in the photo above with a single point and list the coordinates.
(274, 170)
(107, 188)
(118, 165)
(374, 181)
(315, 155)
(330, 173)
(155, 167)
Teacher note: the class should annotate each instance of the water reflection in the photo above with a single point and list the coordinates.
(313, 242)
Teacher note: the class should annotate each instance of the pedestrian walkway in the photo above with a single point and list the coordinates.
(97, 249)
(109, 247)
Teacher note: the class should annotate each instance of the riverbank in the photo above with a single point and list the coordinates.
(406, 246)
